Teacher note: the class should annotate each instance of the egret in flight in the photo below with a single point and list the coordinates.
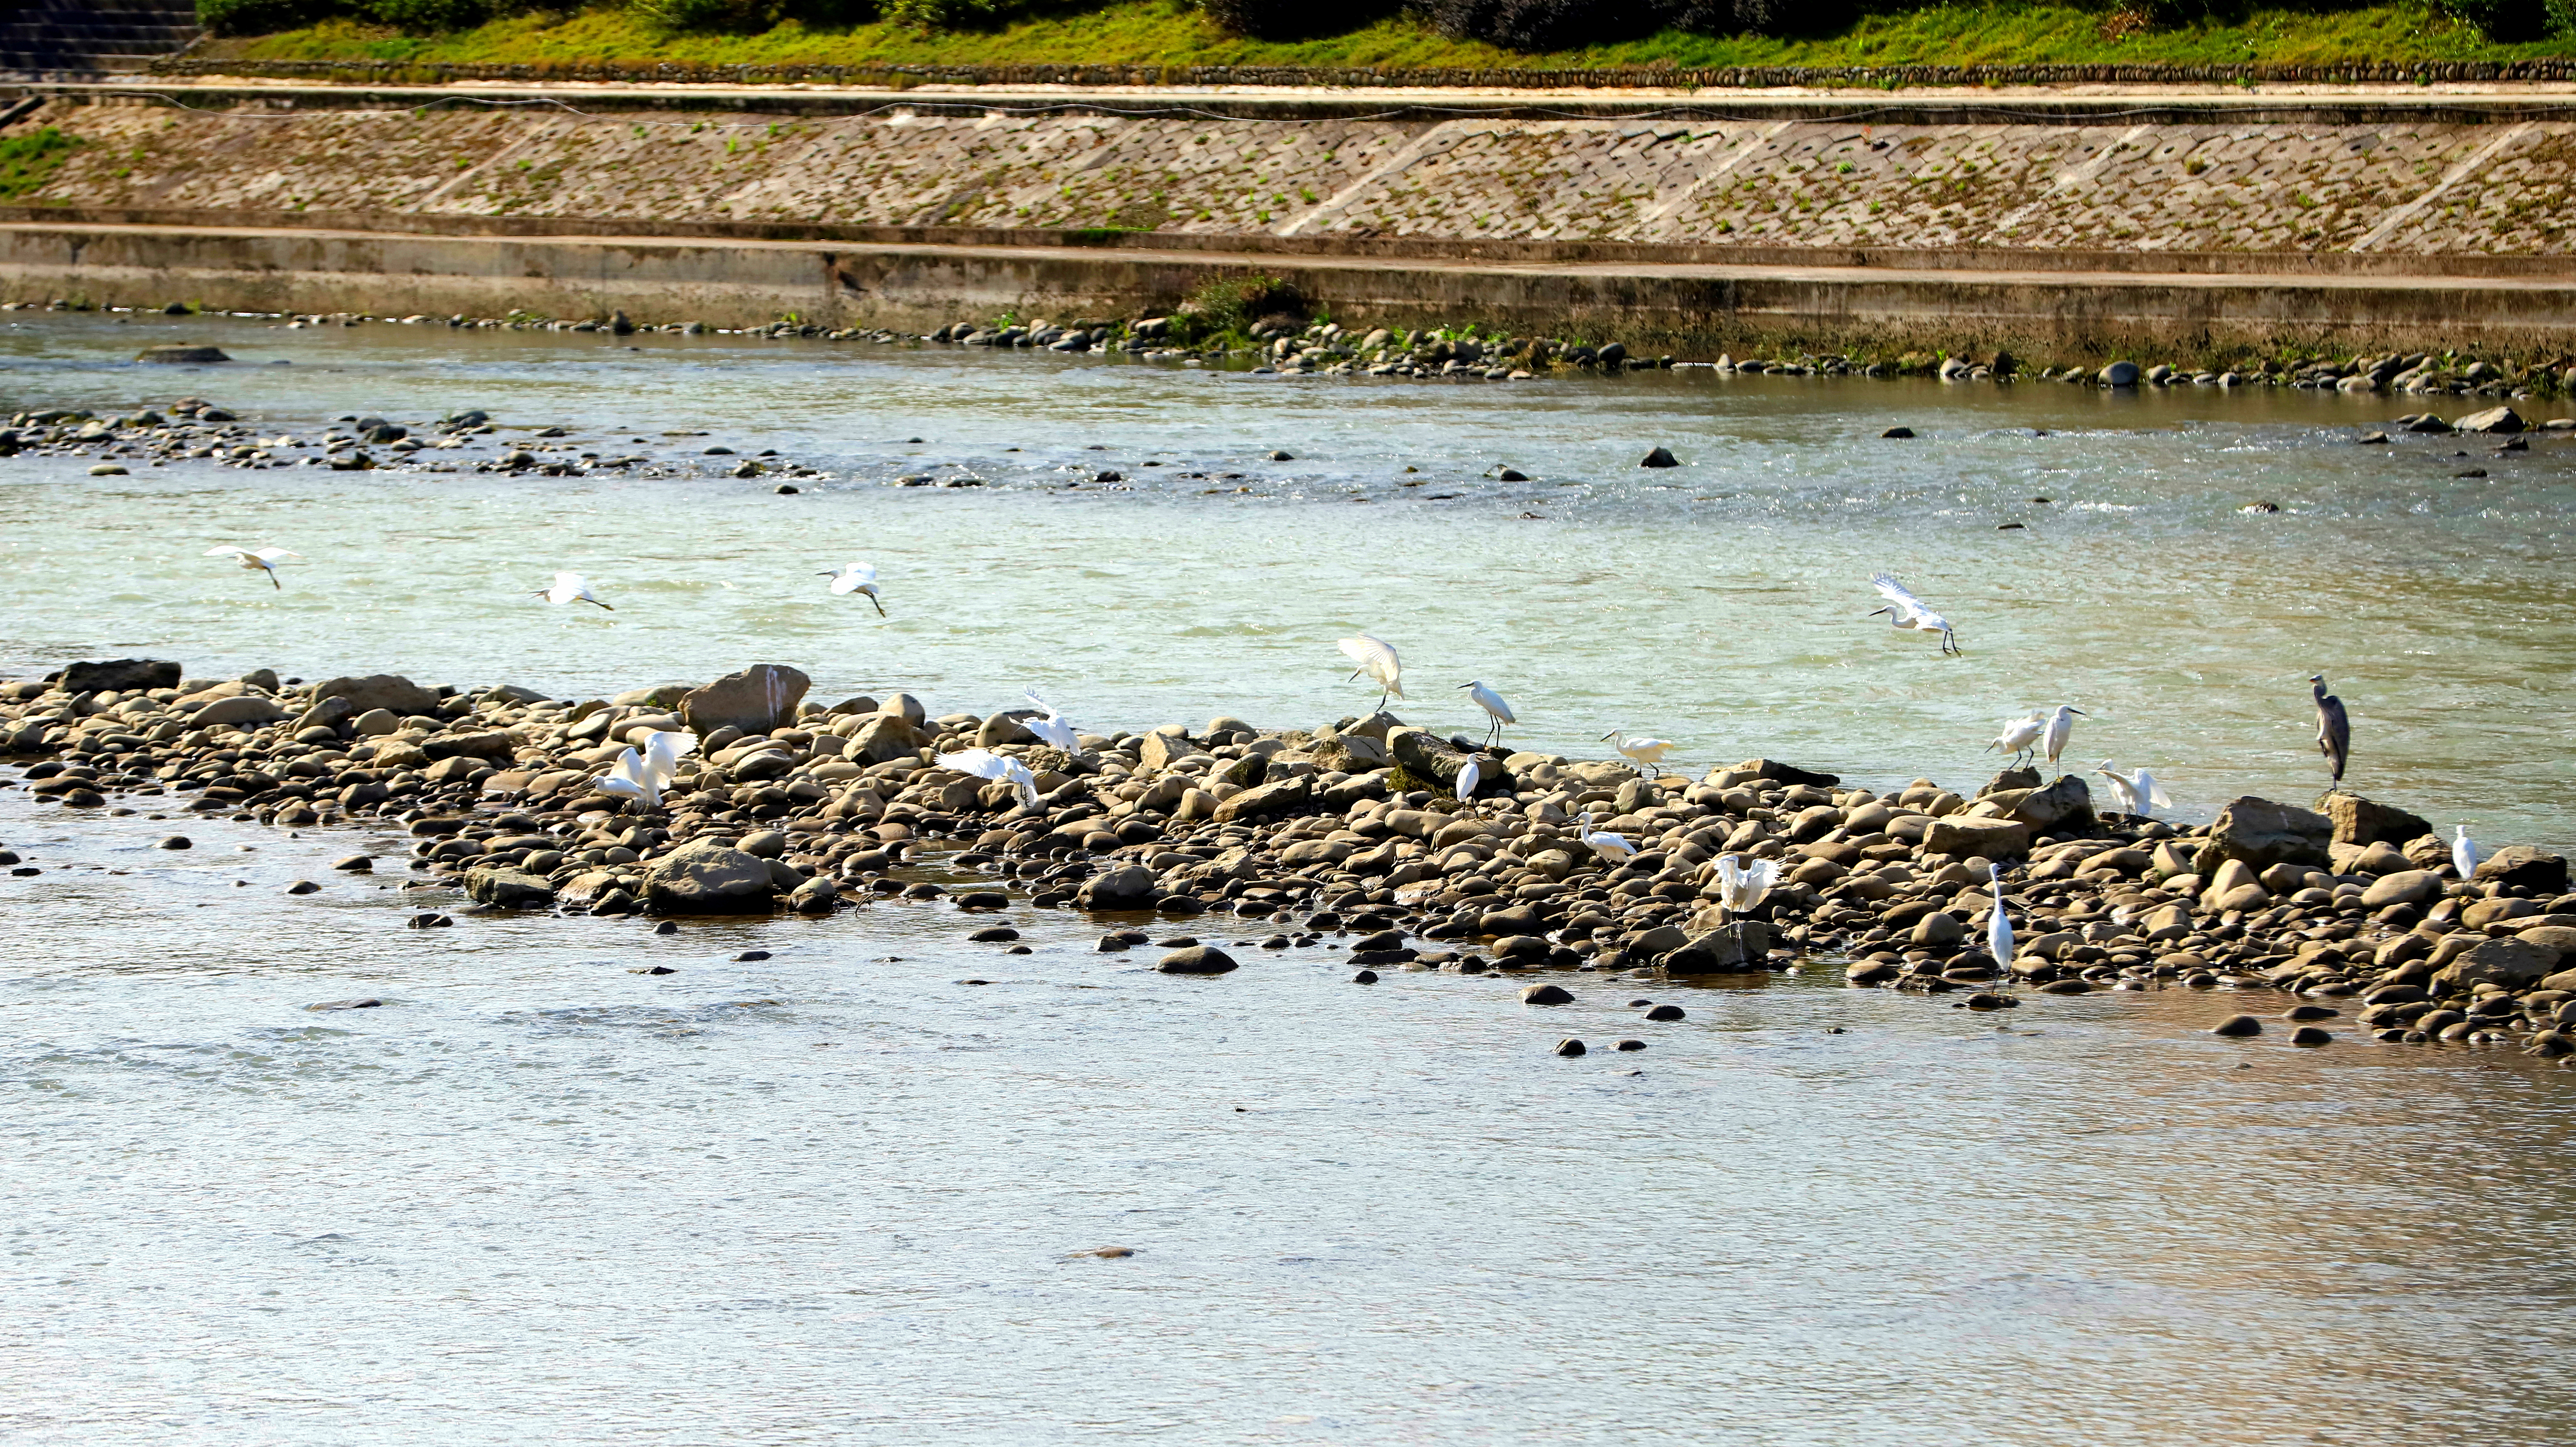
(1493, 705)
(1376, 658)
(2464, 856)
(263, 560)
(857, 578)
(1050, 727)
(1904, 610)
(2334, 727)
(2138, 793)
(1642, 750)
(570, 588)
(2061, 727)
(2020, 735)
(1470, 774)
(1604, 843)
(1000, 768)
(1740, 886)
(1999, 936)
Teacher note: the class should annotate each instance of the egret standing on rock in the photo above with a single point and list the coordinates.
(1604, 843)
(1904, 610)
(2138, 793)
(857, 578)
(2334, 727)
(262, 561)
(1376, 658)
(2019, 735)
(2061, 727)
(1999, 936)
(1050, 727)
(570, 588)
(1493, 705)
(1642, 750)
(2464, 856)
(1470, 774)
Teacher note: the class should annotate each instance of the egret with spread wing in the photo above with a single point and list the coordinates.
(857, 578)
(262, 560)
(1000, 768)
(1050, 727)
(570, 588)
(2020, 735)
(1904, 610)
(1376, 659)
(1741, 886)
(2138, 793)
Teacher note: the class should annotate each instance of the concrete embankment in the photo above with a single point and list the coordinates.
(2050, 224)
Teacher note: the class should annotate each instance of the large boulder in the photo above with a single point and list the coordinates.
(1129, 886)
(1729, 949)
(2406, 886)
(2494, 419)
(755, 700)
(481, 744)
(2366, 821)
(706, 877)
(2262, 833)
(1963, 835)
(237, 711)
(121, 674)
(2520, 866)
(1780, 773)
(2511, 963)
(885, 738)
(2066, 804)
(388, 691)
(507, 888)
(1282, 796)
(1433, 763)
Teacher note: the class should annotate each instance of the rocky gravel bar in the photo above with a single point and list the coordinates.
(1350, 830)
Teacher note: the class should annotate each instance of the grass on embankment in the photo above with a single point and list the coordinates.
(1170, 32)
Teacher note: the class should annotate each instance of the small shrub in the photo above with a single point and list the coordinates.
(707, 15)
(28, 162)
(1295, 19)
(421, 17)
(1235, 304)
(1540, 25)
(259, 17)
(2507, 21)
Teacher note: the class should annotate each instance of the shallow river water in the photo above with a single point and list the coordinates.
(837, 1194)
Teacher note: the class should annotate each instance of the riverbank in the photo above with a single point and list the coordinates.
(2206, 235)
(1358, 828)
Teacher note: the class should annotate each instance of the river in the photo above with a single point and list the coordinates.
(836, 1194)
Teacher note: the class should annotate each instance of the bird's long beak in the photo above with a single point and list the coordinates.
(2080, 712)
(1614, 733)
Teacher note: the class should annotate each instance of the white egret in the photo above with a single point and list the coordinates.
(263, 560)
(1999, 935)
(2019, 735)
(1904, 610)
(1604, 843)
(1740, 886)
(1642, 750)
(985, 764)
(632, 778)
(2061, 727)
(1470, 774)
(1376, 658)
(2334, 727)
(663, 750)
(570, 588)
(1050, 727)
(1493, 705)
(2464, 856)
(857, 578)
(2138, 793)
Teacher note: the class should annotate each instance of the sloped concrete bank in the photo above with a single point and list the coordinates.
(2197, 230)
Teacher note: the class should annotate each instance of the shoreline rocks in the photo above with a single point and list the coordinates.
(1342, 827)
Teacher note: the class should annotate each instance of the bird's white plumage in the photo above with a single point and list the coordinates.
(663, 750)
(1470, 774)
(2138, 793)
(1642, 750)
(1488, 700)
(1999, 935)
(257, 560)
(1377, 659)
(2061, 727)
(2464, 855)
(632, 778)
(1001, 768)
(1741, 886)
(570, 588)
(857, 578)
(1602, 842)
(1050, 727)
(2019, 734)
(1904, 610)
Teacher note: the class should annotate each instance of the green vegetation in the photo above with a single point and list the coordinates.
(1174, 33)
(27, 162)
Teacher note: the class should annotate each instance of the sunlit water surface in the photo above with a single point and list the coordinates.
(835, 1195)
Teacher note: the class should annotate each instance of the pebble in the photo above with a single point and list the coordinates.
(997, 935)
(1665, 1012)
(2310, 1035)
(1569, 1046)
(1364, 977)
(652, 970)
(366, 1004)
(304, 886)
(1546, 995)
(1627, 1045)
(178, 841)
(2237, 1026)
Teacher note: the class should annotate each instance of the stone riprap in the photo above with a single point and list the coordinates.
(1315, 831)
(2421, 187)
